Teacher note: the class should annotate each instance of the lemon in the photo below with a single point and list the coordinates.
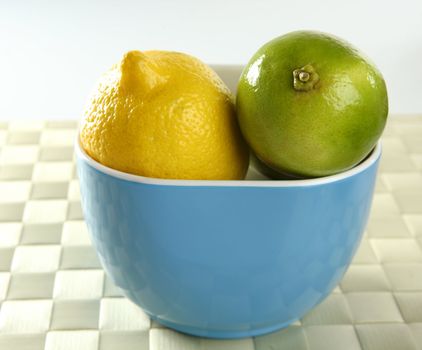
(310, 104)
(165, 115)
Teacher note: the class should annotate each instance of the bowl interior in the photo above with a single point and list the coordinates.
(254, 178)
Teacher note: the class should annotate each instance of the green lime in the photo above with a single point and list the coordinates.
(269, 172)
(309, 104)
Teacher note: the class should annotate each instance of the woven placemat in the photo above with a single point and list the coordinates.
(54, 294)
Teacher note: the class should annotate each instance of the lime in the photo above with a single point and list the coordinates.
(309, 104)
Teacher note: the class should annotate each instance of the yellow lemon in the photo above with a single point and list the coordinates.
(165, 115)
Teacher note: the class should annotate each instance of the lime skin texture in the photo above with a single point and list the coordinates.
(309, 104)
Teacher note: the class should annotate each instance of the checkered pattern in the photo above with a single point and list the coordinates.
(54, 294)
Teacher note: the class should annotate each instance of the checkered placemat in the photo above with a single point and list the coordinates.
(55, 296)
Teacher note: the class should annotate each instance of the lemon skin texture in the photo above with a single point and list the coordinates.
(310, 105)
(165, 115)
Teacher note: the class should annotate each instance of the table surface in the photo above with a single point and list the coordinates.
(55, 295)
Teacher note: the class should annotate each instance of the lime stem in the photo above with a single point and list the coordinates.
(305, 78)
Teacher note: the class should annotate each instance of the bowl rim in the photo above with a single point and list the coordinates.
(374, 155)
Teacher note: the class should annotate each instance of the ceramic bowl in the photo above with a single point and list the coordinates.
(226, 259)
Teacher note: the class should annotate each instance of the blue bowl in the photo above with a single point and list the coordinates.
(225, 259)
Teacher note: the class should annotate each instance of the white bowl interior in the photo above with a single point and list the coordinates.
(254, 178)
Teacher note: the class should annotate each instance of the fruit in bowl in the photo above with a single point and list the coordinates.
(198, 248)
(309, 104)
(165, 115)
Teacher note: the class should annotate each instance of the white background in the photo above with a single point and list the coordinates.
(52, 52)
